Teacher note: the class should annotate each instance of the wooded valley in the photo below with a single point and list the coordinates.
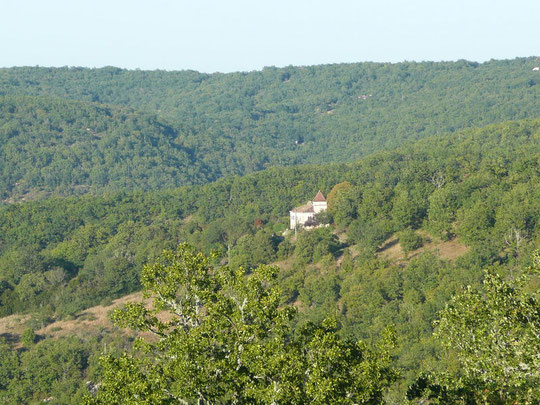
(432, 176)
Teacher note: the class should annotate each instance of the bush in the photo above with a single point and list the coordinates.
(285, 249)
(312, 245)
(409, 241)
(371, 234)
(323, 218)
(28, 337)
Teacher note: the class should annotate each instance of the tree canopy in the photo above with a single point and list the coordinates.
(68, 129)
(225, 336)
(102, 169)
(495, 334)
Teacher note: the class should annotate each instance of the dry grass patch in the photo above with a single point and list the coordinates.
(89, 321)
(92, 321)
(448, 250)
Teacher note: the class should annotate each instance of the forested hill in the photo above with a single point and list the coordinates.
(476, 189)
(477, 183)
(241, 122)
(67, 146)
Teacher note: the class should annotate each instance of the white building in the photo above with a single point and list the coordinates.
(299, 216)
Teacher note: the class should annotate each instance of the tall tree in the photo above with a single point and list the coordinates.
(224, 336)
(495, 334)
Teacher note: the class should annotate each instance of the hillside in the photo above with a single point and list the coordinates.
(214, 125)
(467, 200)
(91, 321)
(478, 184)
(64, 146)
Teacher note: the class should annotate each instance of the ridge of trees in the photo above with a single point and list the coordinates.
(231, 124)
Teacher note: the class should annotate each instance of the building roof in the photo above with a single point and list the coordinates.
(319, 197)
(304, 208)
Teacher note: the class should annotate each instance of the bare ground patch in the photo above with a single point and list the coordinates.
(448, 250)
(89, 322)
(93, 319)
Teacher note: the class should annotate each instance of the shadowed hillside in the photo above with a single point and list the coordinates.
(64, 146)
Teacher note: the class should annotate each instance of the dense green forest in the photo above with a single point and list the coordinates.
(196, 127)
(103, 169)
(67, 146)
(476, 186)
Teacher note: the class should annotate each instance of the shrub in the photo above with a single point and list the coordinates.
(28, 337)
(409, 241)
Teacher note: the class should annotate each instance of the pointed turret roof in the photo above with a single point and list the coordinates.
(319, 197)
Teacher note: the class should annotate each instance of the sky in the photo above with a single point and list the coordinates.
(242, 35)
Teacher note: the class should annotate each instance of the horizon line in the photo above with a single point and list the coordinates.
(75, 67)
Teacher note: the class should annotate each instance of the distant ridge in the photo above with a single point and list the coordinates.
(215, 125)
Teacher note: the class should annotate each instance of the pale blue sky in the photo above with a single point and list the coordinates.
(232, 35)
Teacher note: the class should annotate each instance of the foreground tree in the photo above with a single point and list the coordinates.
(495, 334)
(223, 336)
